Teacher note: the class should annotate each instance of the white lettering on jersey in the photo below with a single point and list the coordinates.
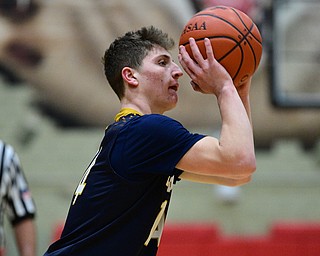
(82, 183)
(169, 183)
(158, 224)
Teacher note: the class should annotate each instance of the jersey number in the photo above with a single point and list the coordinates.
(82, 183)
(158, 225)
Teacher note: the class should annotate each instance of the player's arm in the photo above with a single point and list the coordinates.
(22, 210)
(226, 158)
(215, 179)
(232, 155)
(243, 92)
(25, 234)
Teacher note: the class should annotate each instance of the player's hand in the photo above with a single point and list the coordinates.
(207, 75)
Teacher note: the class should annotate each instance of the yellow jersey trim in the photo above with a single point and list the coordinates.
(126, 111)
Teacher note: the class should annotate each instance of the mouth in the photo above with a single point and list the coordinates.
(24, 54)
(174, 87)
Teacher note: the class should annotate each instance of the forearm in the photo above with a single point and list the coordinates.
(236, 139)
(215, 179)
(243, 92)
(232, 155)
(25, 234)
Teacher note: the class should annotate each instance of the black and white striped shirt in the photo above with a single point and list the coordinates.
(15, 197)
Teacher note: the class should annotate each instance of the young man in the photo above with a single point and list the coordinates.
(120, 205)
(16, 201)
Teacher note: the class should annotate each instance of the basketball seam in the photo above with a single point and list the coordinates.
(246, 40)
(244, 36)
(212, 37)
(227, 53)
(212, 15)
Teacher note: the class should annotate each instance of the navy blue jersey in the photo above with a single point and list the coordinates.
(120, 205)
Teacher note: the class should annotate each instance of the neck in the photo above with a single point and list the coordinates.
(140, 106)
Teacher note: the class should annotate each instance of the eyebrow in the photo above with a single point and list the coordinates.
(165, 56)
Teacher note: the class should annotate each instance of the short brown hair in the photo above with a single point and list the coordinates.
(129, 51)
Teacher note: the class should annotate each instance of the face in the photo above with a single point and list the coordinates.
(158, 80)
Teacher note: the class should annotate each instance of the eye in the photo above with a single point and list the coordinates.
(18, 10)
(163, 62)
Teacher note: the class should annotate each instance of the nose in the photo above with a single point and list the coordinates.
(177, 72)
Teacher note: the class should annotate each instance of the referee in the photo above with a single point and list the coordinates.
(16, 202)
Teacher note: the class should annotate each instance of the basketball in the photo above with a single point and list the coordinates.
(236, 40)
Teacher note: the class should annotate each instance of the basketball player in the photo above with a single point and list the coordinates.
(16, 201)
(120, 204)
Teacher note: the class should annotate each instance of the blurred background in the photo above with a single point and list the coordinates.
(55, 104)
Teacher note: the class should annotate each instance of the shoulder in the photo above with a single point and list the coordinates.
(151, 118)
(157, 129)
(7, 153)
(3, 145)
(154, 122)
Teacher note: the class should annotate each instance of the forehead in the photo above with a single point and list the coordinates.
(157, 52)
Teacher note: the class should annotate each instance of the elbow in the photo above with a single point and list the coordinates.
(244, 165)
(239, 182)
(242, 173)
(250, 165)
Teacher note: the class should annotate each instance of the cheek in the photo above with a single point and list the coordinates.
(154, 77)
(155, 80)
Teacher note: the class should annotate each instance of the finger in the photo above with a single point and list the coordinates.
(185, 55)
(196, 87)
(195, 51)
(186, 62)
(209, 50)
(182, 61)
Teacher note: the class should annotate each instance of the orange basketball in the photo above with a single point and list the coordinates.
(235, 39)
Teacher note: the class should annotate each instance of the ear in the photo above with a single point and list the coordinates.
(129, 77)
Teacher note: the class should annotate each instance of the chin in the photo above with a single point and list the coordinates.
(172, 106)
